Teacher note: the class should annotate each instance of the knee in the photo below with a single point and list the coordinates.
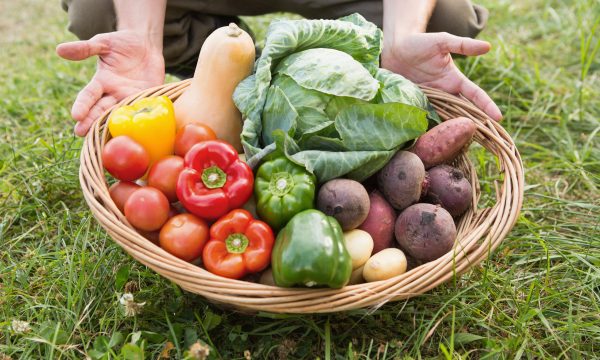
(458, 17)
(90, 17)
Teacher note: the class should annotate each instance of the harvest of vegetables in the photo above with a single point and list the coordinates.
(320, 119)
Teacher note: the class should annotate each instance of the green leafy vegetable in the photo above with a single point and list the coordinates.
(319, 97)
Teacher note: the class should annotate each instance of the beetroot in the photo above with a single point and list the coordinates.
(448, 187)
(425, 231)
(346, 200)
(401, 179)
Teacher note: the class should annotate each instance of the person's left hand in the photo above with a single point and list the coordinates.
(424, 58)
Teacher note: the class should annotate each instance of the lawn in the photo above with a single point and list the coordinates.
(538, 296)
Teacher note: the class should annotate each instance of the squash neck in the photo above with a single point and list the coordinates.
(233, 30)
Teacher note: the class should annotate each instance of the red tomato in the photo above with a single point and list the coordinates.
(184, 236)
(147, 209)
(163, 175)
(120, 192)
(125, 159)
(153, 235)
(190, 135)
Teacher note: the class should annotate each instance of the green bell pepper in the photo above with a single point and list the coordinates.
(310, 251)
(282, 189)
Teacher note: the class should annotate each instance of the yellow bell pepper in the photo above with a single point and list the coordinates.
(150, 122)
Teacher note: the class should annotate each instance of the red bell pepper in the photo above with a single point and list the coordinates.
(238, 245)
(214, 180)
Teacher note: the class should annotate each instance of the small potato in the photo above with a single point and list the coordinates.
(444, 142)
(357, 276)
(360, 246)
(384, 265)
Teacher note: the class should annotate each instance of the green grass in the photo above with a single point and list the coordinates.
(538, 296)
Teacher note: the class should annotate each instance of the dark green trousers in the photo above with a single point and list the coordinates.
(188, 22)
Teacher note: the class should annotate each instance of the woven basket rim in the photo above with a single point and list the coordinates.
(480, 230)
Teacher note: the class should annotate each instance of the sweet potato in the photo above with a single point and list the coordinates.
(380, 222)
(401, 180)
(346, 200)
(448, 187)
(425, 231)
(444, 142)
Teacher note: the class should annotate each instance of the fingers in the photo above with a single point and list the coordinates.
(86, 98)
(82, 127)
(462, 45)
(80, 50)
(480, 98)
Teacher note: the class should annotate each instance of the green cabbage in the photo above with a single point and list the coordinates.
(319, 97)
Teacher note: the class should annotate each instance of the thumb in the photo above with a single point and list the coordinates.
(81, 50)
(462, 45)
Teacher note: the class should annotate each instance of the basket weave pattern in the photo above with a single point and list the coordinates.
(480, 231)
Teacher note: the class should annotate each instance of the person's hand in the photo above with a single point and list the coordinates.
(424, 58)
(127, 63)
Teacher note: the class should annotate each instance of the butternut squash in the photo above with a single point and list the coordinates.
(226, 58)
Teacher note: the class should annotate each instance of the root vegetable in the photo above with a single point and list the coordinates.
(380, 222)
(401, 180)
(444, 142)
(425, 231)
(384, 265)
(448, 187)
(346, 200)
(360, 246)
(357, 276)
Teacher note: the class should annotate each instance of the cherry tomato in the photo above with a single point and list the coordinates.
(190, 135)
(163, 175)
(120, 192)
(147, 209)
(184, 236)
(154, 235)
(125, 159)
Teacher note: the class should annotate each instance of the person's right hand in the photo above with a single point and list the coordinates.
(127, 63)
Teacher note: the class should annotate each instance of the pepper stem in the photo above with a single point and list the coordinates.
(281, 184)
(236, 243)
(213, 177)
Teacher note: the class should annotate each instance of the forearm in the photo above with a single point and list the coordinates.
(401, 17)
(143, 16)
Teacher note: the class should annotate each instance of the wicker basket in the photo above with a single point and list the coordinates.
(480, 231)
